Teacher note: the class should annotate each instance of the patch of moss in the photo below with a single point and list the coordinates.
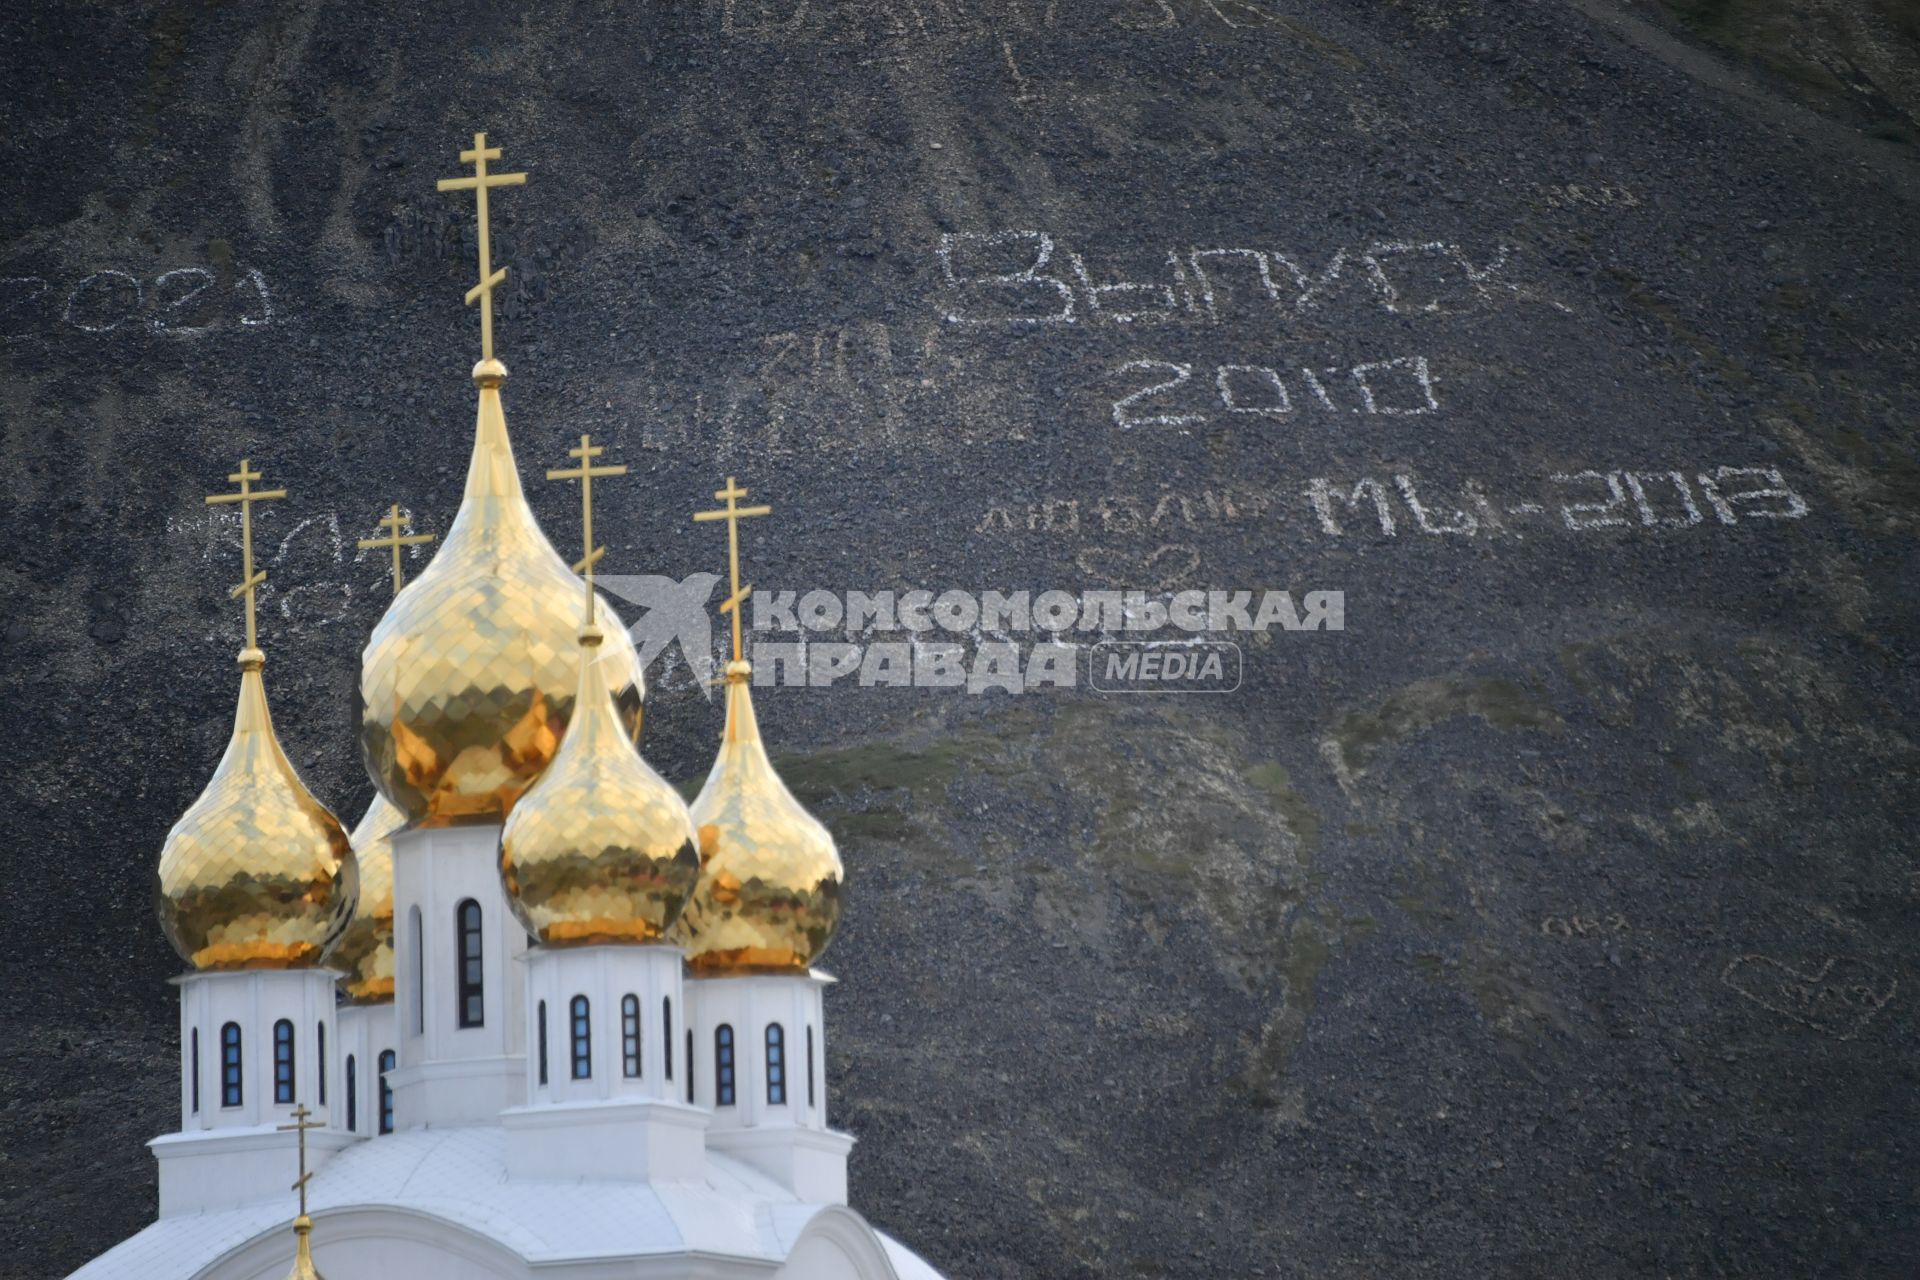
(1425, 703)
(820, 775)
(1842, 59)
(1301, 818)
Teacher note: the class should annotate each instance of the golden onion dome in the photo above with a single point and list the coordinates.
(769, 891)
(365, 950)
(257, 874)
(467, 683)
(600, 849)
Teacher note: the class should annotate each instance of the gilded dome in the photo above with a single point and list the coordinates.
(365, 951)
(257, 874)
(467, 683)
(769, 891)
(600, 849)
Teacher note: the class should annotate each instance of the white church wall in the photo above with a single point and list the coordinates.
(748, 1006)
(605, 976)
(253, 1002)
(773, 1117)
(451, 1073)
(366, 1032)
(628, 1139)
(224, 1168)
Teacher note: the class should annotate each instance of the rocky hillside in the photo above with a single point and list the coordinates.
(1554, 917)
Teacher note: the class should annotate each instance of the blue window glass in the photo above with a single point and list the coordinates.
(776, 1066)
(630, 1036)
(582, 1038)
(386, 1092)
(283, 1061)
(472, 991)
(723, 1065)
(230, 1065)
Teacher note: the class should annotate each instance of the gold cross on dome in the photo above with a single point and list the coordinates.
(302, 1122)
(585, 473)
(733, 514)
(247, 496)
(479, 184)
(393, 523)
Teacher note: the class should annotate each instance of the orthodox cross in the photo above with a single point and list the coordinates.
(733, 514)
(478, 184)
(393, 523)
(585, 473)
(247, 496)
(302, 1121)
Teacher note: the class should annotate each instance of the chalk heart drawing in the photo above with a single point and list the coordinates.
(1165, 568)
(1840, 997)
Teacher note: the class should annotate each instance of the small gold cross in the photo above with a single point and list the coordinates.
(585, 473)
(393, 523)
(247, 496)
(302, 1123)
(733, 514)
(478, 184)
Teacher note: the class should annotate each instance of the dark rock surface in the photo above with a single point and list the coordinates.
(1557, 917)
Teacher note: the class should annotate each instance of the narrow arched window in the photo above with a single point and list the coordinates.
(630, 1037)
(810, 1102)
(230, 1065)
(689, 1064)
(193, 1068)
(386, 1092)
(283, 1061)
(578, 1015)
(419, 971)
(666, 1036)
(540, 1030)
(466, 918)
(776, 1066)
(320, 1046)
(723, 1065)
(353, 1099)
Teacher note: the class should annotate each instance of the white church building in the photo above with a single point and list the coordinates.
(536, 1016)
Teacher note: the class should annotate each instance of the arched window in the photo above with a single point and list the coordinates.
(193, 1069)
(353, 1099)
(320, 1046)
(810, 1102)
(776, 1066)
(666, 1035)
(689, 1064)
(419, 971)
(723, 1065)
(582, 1038)
(540, 1030)
(630, 1037)
(466, 919)
(230, 1065)
(283, 1061)
(386, 1092)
